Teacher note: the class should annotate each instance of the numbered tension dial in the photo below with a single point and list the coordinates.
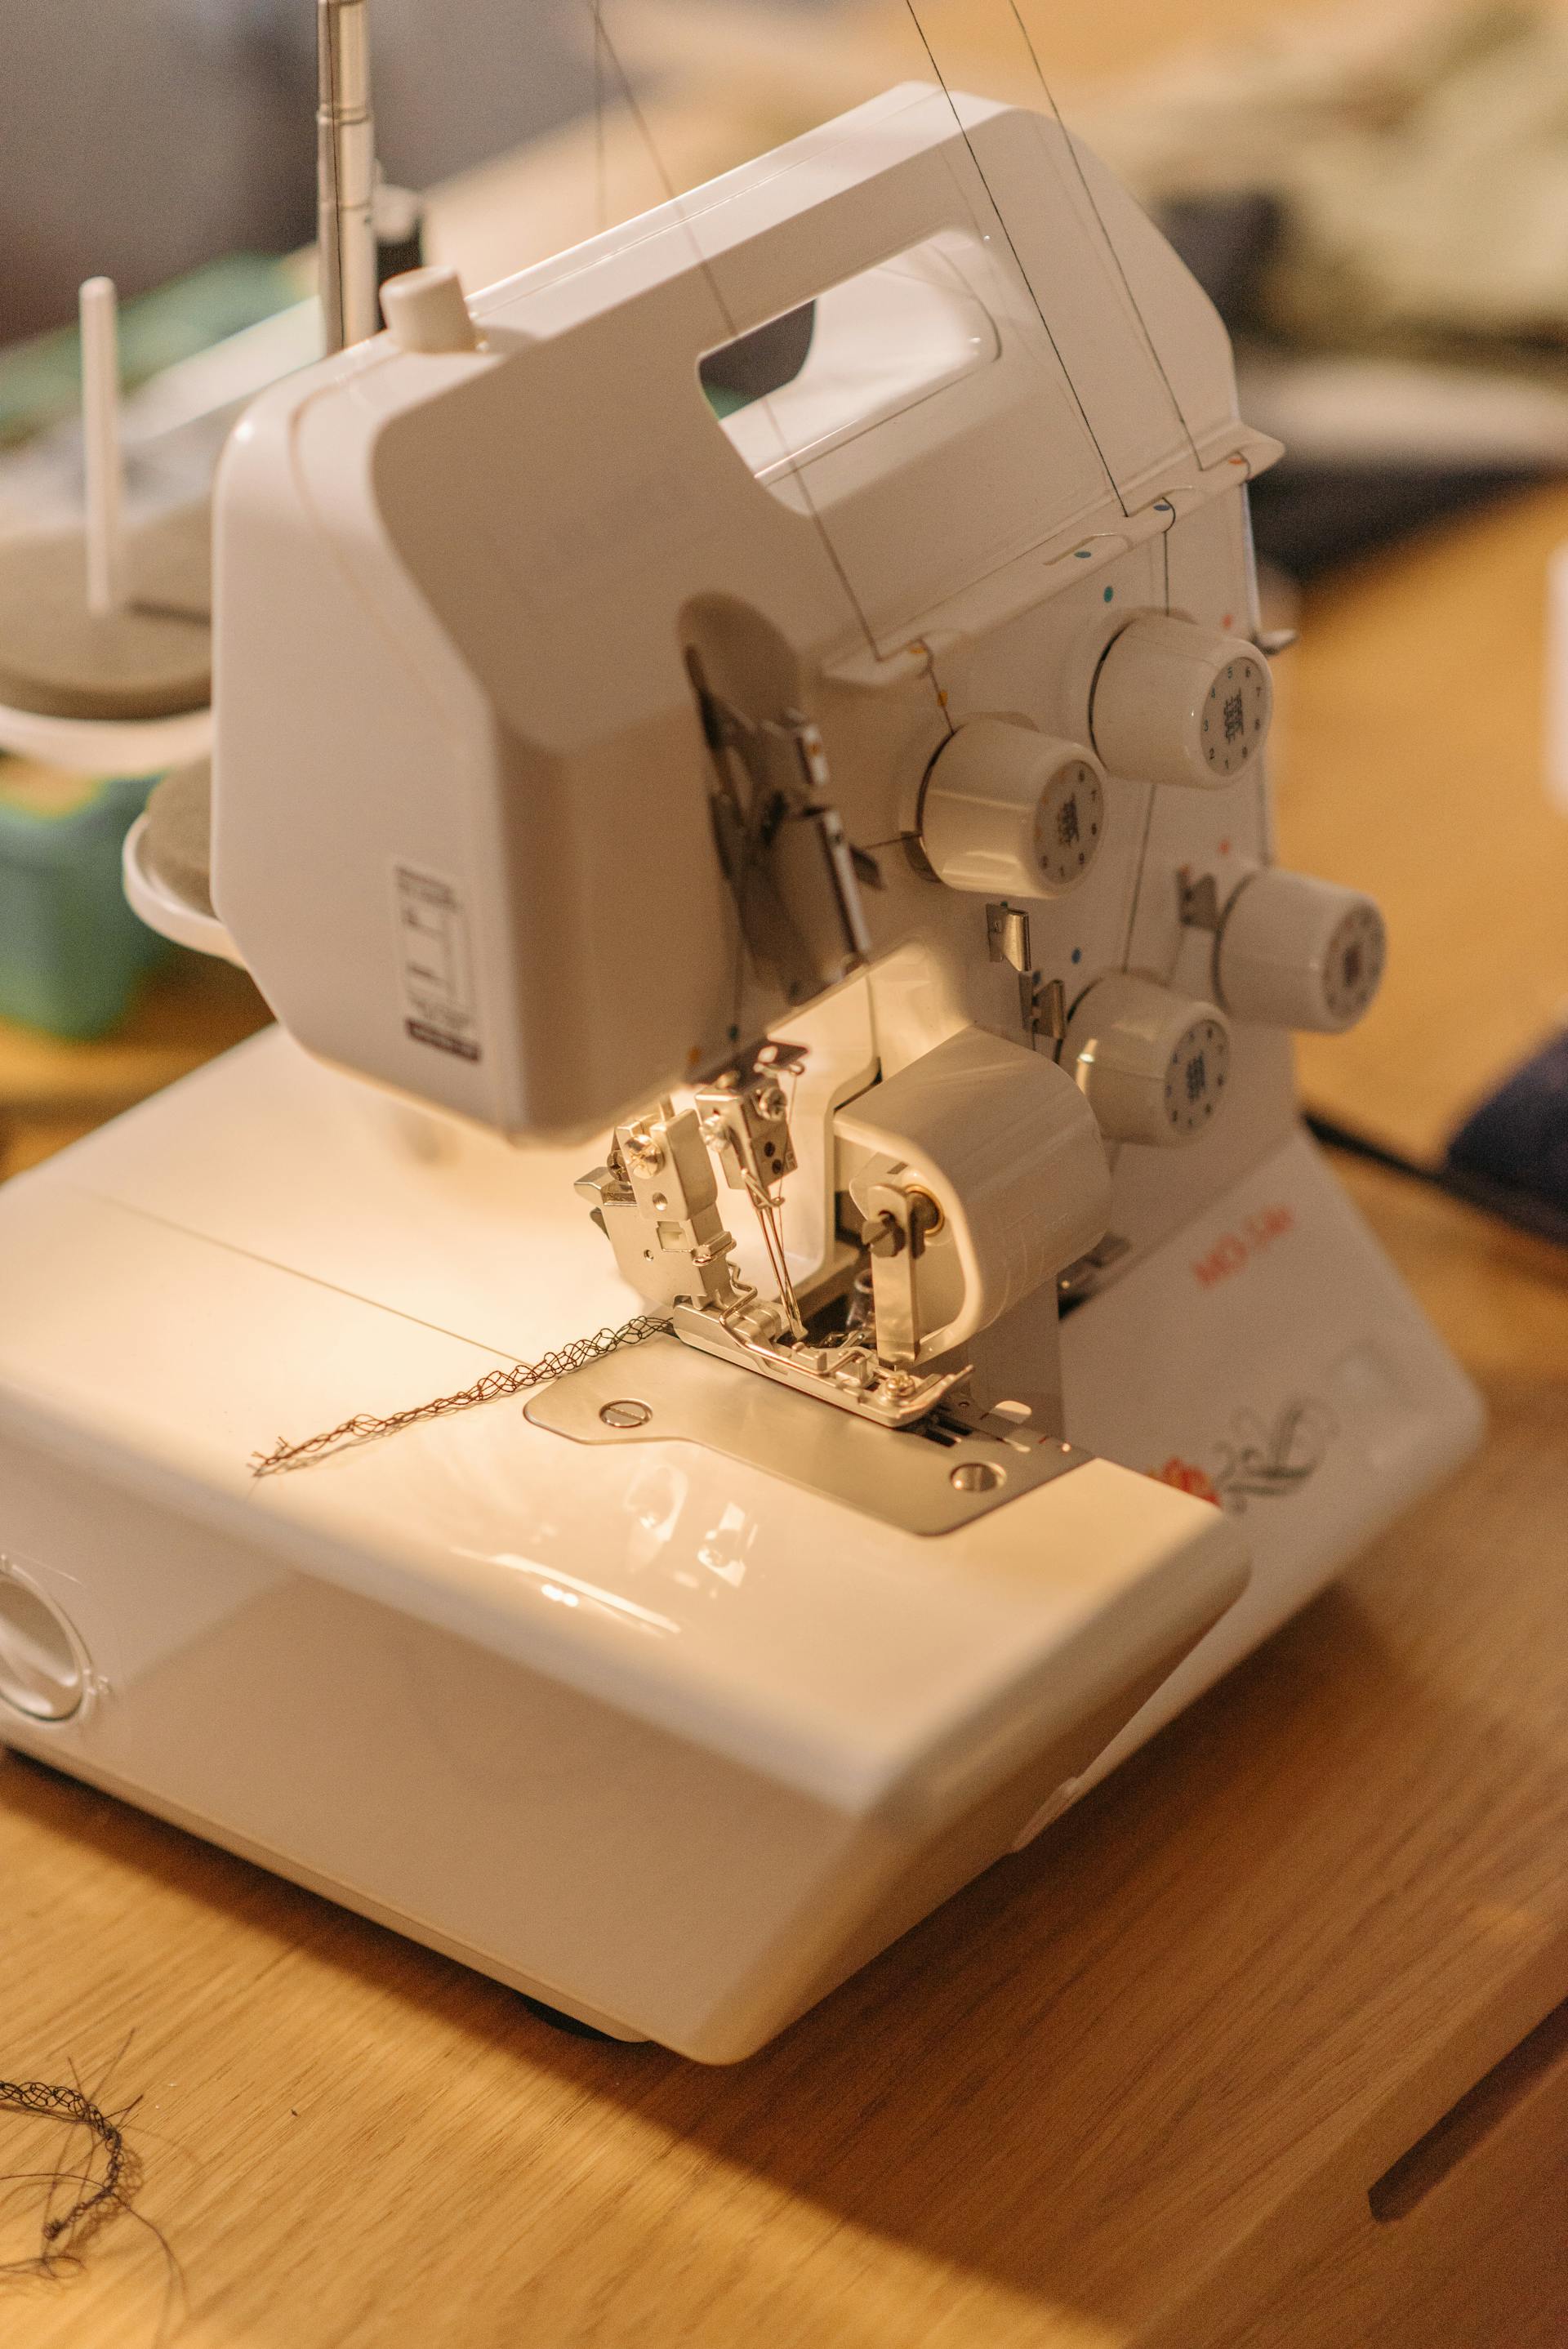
(1152, 1065)
(1176, 703)
(1006, 812)
(1294, 952)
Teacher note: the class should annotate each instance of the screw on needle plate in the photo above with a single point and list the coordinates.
(977, 1476)
(625, 1414)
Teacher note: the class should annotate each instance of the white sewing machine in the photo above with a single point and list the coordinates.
(834, 840)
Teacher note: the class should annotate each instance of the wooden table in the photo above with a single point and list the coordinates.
(52, 1092)
(1134, 2087)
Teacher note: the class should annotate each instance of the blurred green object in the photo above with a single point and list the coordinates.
(40, 380)
(71, 950)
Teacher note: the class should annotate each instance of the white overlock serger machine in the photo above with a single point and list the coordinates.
(739, 768)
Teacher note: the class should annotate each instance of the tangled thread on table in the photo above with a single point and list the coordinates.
(65, 2234)
(492, 1388)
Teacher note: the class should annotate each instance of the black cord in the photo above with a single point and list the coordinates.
(1525, 1210)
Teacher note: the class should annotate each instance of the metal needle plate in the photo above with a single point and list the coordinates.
(663, 1392)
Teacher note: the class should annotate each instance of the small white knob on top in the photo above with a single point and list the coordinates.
(1176, 703)
(1152, 1065)
(1294, 952)
(1006, 812)
(425, 311)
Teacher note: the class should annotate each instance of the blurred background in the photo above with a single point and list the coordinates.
(1376, 199)
(146, 138)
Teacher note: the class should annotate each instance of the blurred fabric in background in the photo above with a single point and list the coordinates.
(1378, 204)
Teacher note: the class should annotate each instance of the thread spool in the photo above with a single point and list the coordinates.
(99, 622)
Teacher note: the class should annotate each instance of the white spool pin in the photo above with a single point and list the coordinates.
(1009, 811)
(103, 457)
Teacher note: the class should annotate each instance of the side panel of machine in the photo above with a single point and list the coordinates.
(1302, 1391)
(520, 1826)
(350, 852)
(535, 1833)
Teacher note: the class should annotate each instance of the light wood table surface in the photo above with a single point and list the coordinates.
(51, 1091)
(1133, 2086)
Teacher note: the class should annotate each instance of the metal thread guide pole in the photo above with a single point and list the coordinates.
(346, 173)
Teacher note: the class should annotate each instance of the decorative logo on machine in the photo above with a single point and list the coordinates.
(1234, 1250)
(1259, 1461)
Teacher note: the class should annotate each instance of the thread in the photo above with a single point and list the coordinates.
(493, 1387)
(1106, 237)
(62, 2237)
(710, 276)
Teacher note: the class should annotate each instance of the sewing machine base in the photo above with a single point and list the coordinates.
(1302, 1390)
(664, 1741)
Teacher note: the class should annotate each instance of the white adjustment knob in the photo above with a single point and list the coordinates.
(1297, 953)
(1174, 703)
(425, 311)
(1007, 811)
(1152, 1065)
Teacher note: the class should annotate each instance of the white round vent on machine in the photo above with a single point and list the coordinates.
(41, 1673)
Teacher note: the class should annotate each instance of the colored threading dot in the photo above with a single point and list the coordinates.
(1109, 594)
(1077, 954)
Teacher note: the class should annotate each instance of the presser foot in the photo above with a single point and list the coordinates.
(928, 1478)
(845, 1374)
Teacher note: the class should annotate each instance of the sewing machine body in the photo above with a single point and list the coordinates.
(673, 1714)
